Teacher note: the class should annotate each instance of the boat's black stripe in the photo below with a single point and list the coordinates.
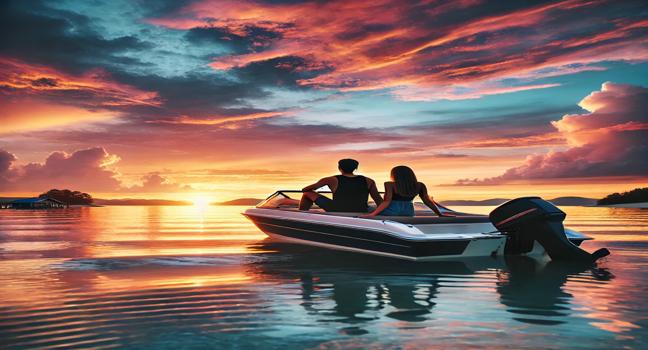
(360, 239)
(334, 235)
(351, 232)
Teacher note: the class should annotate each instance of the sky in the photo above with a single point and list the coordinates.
(227, 99)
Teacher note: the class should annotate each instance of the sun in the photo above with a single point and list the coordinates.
(201, 201)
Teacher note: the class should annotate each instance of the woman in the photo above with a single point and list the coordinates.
(400, 192)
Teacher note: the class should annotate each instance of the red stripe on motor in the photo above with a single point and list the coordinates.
(515, 216)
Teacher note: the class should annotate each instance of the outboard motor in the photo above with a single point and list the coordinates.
(529, 219)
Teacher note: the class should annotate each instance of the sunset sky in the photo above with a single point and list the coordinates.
(227, 99)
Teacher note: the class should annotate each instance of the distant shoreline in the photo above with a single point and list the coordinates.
(135, 201)
(561, 201)
(639, 205)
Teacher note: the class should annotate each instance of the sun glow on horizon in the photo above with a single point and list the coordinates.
(201, 201)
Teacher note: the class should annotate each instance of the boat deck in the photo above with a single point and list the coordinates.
(420, 217)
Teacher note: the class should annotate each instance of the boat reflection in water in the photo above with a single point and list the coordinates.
(534, 291)
(365, 288)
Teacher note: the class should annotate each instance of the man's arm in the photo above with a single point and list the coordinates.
(389, 189)
(321, 183)
(373, 191)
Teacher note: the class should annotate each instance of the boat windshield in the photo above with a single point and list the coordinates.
(274, 201)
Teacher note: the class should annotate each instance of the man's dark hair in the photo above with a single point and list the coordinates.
(348, 165)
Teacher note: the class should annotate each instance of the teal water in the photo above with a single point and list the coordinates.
(205, 278)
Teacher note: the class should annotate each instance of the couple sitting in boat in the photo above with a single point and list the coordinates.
(351, 192)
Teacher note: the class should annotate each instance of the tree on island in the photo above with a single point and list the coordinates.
(68, 197)
(637, 195)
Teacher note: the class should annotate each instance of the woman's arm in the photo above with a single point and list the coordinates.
(423, 193)
(389, 190)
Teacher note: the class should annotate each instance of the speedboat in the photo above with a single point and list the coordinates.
(524, 226)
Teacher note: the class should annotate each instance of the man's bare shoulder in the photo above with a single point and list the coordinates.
(329, 180)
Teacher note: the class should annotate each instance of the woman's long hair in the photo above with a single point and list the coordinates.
(405, 180)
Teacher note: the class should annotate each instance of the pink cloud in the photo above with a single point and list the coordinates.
(156, 183)
(83, 170)
(222, 119)
(609, 140)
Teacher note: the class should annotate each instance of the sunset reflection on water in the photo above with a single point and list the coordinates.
(204, 276)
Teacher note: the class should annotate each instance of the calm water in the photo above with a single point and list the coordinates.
(182, 277)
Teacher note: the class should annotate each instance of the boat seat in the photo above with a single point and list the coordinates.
(420, 217)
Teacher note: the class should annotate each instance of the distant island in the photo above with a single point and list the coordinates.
(637, 198)
(574, 201)
(564, 201)
(136, 201)
(69, 197)
(52, 199)
(241, 201)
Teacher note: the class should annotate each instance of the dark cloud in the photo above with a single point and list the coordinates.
(165, 7)
(192, 94)
(65, 40)
(283, 71)
(362, 31)
(509, 119)
(244, 39)
(48, 82)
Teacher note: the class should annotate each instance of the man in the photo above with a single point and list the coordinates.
(350, 191)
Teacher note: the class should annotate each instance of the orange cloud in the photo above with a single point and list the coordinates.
(217, 120)
(390, 44)
(29, 114)
(17, 77)
(548, 139)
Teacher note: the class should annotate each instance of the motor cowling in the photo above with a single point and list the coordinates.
(529, 219)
